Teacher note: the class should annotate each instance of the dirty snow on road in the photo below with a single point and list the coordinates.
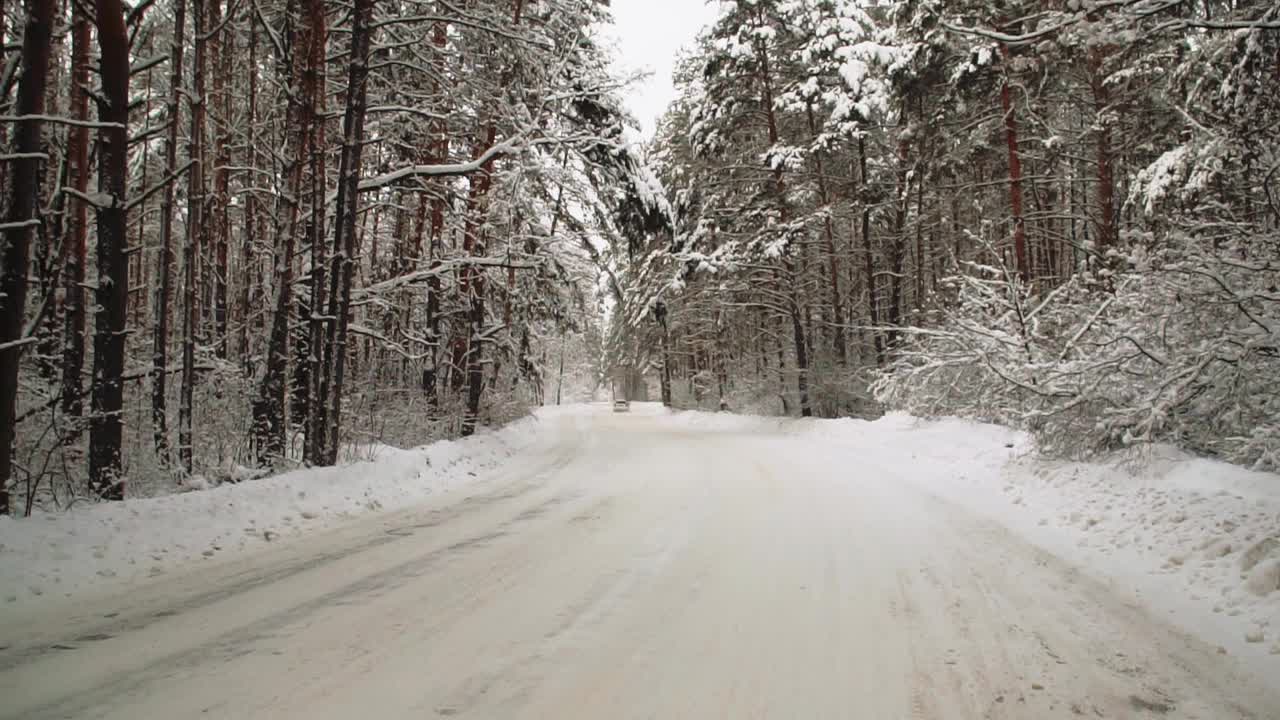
(651, 566)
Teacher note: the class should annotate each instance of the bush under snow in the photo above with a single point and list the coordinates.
(1183, 346)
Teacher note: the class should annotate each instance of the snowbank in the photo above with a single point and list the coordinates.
(56, 555)
(1193, 539)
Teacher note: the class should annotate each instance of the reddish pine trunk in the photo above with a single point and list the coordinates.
(21, 220)
(112, 296)
(1107, 235)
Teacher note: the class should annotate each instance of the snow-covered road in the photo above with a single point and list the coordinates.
(637, 567)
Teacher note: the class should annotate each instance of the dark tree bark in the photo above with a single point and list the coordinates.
(270, 405)
(439, 154)
(164, 290)
(223, 43)
(473, 279)
(802, 346)
(1015, 173)
(248, 258)
(76, 252)
(136, 256)
(794, 307)
(898, 241)
(921, 261)
(473, 286)
(112, 296)
(315, 356)
(349, 169)
(782, 365)
(1106, 234)
(4, 127)
(197, 232)
(828, 235)
(868, 253)
(660, 314)
(20, 224)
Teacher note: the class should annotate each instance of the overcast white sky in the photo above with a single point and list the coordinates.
(649, 32)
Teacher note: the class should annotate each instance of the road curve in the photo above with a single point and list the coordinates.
(633, 568)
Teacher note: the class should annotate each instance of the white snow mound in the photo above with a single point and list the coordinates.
(62, 555)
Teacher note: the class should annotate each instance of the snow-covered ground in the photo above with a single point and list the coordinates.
(635, 565)
(52, 556)
(1194, 539)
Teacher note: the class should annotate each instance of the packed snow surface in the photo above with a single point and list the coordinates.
(586, 564)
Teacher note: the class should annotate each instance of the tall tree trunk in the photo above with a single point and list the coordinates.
(248, 258)
(4, 127)
(1107, 235)
(164, 292)
(473, 284)
(564, 340)
(897, 248)
(782, 367)
(1015, 171)
(112, 295)
(666, 360)
(868, 253)
(922, 264)
(316, 363)
(349, 169)
(20, 223)
(829, 237)
(197, 232)
(794, 307)
(473, 279)
(440, 154)
(802, 346)
(76, 252)
(223, 44)
(49, 243)
(138, 272)
(269, 408)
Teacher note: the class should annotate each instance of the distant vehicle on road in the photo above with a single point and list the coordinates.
(621, 402)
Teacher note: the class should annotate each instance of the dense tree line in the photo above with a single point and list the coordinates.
(1062, 216)
(313, 226)
(306, 225)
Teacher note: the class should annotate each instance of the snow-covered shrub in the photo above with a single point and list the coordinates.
(1182, 348)
(983, 360)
